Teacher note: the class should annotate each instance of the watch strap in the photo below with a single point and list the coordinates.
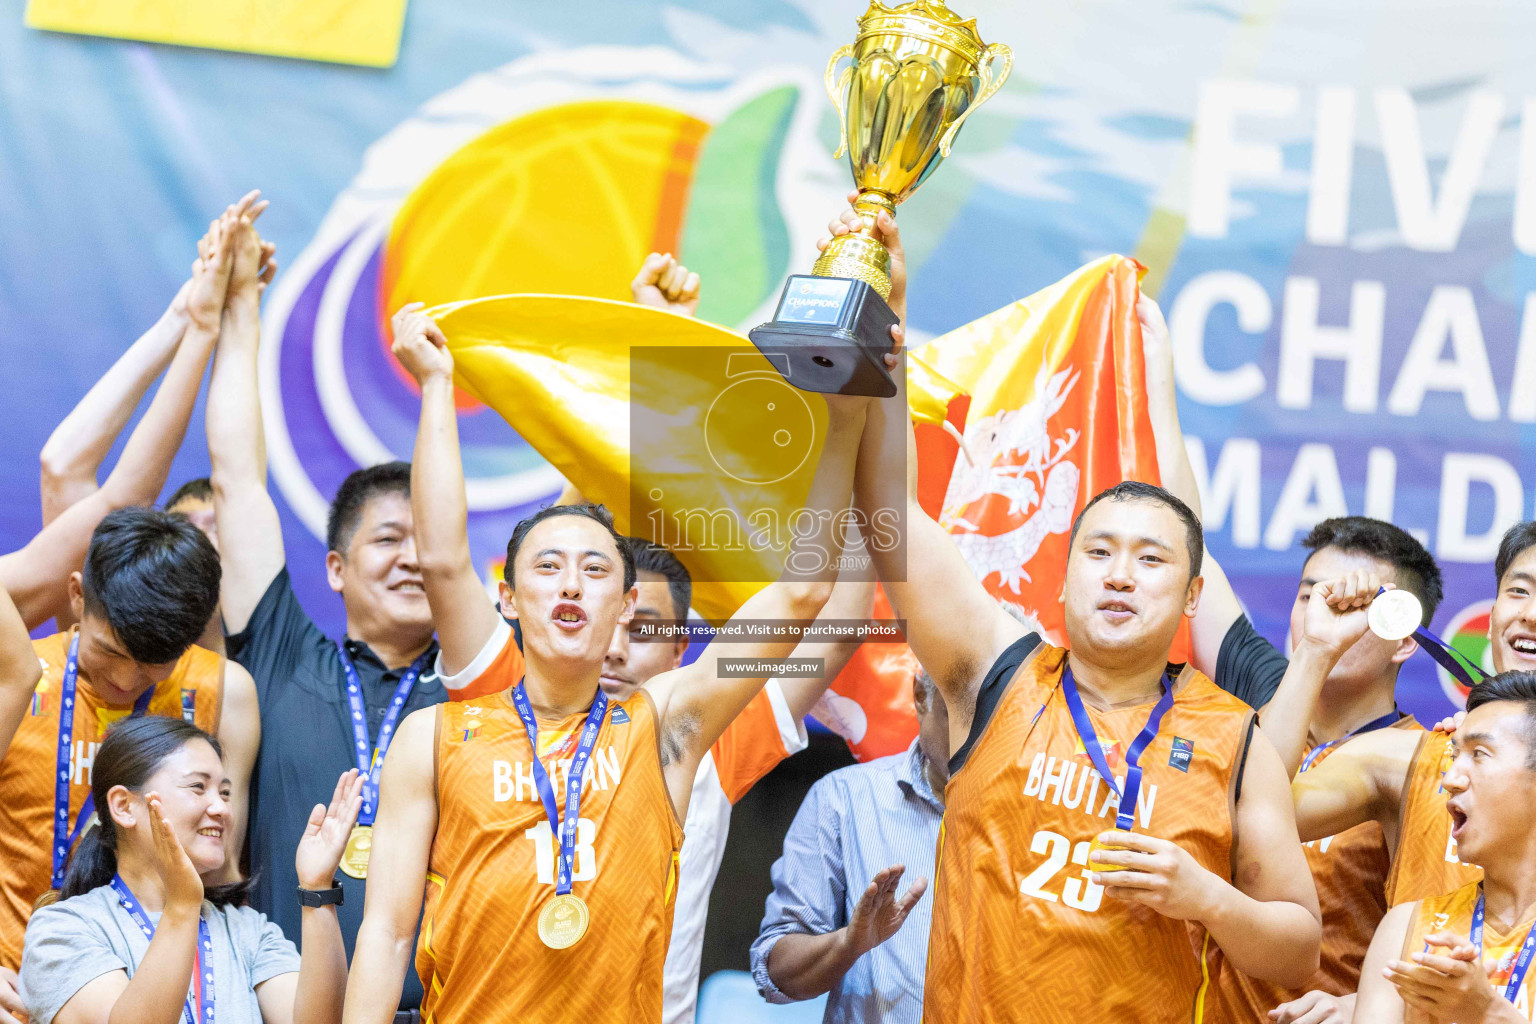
(322, 897)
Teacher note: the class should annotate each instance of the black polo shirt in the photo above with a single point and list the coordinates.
(1248, 666)
(306, 743)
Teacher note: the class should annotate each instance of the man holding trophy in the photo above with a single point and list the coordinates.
(1116, 832)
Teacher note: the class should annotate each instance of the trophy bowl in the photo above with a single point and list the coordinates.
(916, 72)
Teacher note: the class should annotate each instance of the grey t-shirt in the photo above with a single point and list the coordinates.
(71, 944)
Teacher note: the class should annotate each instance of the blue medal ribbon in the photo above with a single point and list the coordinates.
(370, 757)
(1438, 649)
(1522, 962)
(202, 980)
(1391, 718)
(1125, 817)
(566, 831)
(63, 835)
(1460, 669)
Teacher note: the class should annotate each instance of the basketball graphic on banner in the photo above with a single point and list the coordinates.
(553, 175)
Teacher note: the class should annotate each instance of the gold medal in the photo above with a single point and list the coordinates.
(1094, 847)
(563, 921)
(354, 859)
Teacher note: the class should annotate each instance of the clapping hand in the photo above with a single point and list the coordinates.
(1449, 986)
(254, 264)
(879, 914)
(665, 283)
(210, 274)
(183, 885)
(325, 836)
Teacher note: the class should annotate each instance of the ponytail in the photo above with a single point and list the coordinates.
(93, 862)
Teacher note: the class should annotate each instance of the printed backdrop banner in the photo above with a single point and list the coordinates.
(1335, 203)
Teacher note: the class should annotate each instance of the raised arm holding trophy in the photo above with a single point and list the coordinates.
(918, 72)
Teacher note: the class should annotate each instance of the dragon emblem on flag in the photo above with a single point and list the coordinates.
(1013, 485)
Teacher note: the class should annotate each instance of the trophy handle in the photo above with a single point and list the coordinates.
(837, 90)
(990, 83)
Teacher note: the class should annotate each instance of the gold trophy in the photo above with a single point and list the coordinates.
(918, 71)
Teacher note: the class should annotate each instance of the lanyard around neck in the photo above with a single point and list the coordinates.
(202, 968)
(63, 835)
(370, 756)
(565, 829)
(1125, 817)
(1390, 718)
(1522, 962)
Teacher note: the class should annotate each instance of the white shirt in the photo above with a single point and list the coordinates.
(708, 824)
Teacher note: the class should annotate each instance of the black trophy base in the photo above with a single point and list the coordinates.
(832, 334)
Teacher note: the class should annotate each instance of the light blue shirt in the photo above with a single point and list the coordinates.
(854, 823)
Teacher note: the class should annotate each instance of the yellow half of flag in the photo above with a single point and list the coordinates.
(998, 358)
(340, 31)
(680, 426)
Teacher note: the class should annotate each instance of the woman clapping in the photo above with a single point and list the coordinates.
(142, 935)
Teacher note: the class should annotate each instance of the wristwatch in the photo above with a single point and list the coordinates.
(322, 897)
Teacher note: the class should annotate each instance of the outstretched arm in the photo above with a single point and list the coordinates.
(75, 450)
(464, 616)
(38, 574)
(954, 626)
(1266, 919)
(661, 283)
(19, 671)
(1378, 1001)
(852, 599)
(699, 701)
(397, 872)
(1219, 607)
(237, 445)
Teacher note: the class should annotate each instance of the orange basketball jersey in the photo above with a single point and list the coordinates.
(1350, 872)
(1452, 912)
(1020, 932)
(193, 691)
(493, 869)
(752, 745)
(1426, 862)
